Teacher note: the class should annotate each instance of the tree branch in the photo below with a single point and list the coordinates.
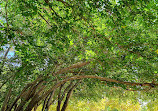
(78, 77)
(23, 91)
(44, 19)
(78, 65)
(59, 98)
(68, 97)
(95, 77)
(49, 100)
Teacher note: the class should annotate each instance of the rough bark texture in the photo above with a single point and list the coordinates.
(36, 92)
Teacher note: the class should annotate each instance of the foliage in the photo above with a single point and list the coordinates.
(89, 47)
(101, 105)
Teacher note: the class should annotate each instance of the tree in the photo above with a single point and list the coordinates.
(65, 46)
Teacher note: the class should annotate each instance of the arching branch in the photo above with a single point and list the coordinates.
(78, 65)
(77, 77)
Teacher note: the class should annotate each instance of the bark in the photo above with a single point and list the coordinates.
(35, 108)
(59, 98)
(67, 88)
(38, 97)
(23, 92)
(35, 99)
(66, 101)
(94, 77)
(28, 95)
(78, 65)
(68, 97)
(49, 100)
(44, 104)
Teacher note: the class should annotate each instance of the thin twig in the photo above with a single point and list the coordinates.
(44, 19)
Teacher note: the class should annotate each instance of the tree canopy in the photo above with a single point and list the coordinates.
(93, 48)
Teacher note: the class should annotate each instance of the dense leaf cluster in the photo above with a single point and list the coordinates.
(58, 39)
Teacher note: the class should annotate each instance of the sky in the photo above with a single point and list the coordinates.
(10, 53)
